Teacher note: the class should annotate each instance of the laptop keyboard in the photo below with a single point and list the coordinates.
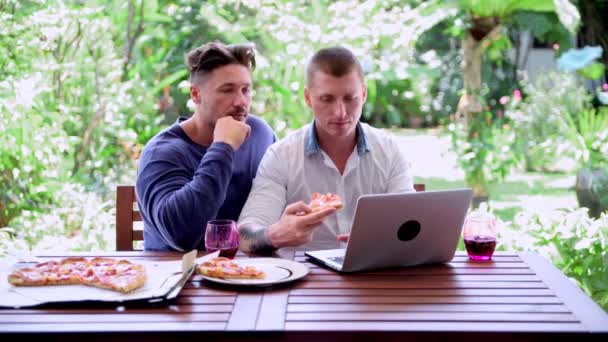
(337, 259)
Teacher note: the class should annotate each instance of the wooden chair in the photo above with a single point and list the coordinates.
(126, 215)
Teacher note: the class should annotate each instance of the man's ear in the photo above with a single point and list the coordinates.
(307, 97)
(195, 94)
(364, 93)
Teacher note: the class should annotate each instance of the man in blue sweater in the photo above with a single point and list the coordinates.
(201, 168)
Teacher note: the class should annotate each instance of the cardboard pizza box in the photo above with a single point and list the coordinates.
(165, 279)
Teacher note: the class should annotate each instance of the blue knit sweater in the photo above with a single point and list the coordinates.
(181, 185)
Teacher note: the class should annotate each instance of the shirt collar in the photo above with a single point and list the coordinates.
(312, 143)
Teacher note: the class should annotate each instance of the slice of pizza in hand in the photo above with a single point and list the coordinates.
(320, 201)
(225, 268)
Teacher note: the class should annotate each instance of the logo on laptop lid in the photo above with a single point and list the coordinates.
(409, 230)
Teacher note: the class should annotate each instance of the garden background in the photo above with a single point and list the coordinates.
(507, 97)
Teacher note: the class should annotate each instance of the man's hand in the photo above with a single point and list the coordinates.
(296, 225)
(231, 131)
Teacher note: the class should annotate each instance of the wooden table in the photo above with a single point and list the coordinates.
(517, 296)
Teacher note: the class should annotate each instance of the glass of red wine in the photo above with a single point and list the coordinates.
(480, 234)
(223, 236)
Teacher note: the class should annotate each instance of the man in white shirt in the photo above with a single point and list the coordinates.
(334, 154)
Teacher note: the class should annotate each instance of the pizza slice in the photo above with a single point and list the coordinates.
(320, 201)
(225, 268)
(45, 273)
(117, 275)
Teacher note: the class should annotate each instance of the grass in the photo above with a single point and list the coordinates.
(527, 190)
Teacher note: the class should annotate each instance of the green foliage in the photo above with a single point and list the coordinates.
(501, 8)
(566, 11)
(65, 113)
(78, 221)
(588, 132)
(593, 71)
(545, 27)
(484, 150)
(285, 34)
(575, 243)
(540, 119)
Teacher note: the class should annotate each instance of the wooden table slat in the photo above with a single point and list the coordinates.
(459, 259)
(397, 284)
(273, 310)
(424, 300)
(434, 271)
(127, 311)
(189, 290)
(94, 327)
(432, 316)
(116, 318)
(245, 312)
(188, 300)
(418, 278)
(420, 292)
(447, 327)
(441, 307)
(451, 265)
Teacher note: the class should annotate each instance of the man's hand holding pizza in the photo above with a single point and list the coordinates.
(299, 220)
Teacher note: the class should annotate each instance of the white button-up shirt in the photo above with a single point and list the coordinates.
(295, 167)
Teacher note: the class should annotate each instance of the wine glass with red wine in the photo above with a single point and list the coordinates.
(480, 234)
(223, 236)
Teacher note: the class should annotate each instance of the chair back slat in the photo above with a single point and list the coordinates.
(126, 215)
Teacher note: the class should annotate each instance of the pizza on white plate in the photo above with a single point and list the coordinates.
(224, 268)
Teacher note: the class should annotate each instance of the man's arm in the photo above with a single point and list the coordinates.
(179, 207)
(253, 238)
(266, 201)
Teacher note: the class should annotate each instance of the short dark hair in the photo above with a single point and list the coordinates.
(208, 57)
(335, 61)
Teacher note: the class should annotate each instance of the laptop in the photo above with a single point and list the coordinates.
(407, 229)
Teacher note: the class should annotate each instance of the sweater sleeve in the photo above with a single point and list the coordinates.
(178, 205)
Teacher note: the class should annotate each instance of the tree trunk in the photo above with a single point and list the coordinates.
(469, 103)
(472, 54)
(480, 35)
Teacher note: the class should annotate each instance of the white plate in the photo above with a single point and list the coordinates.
(277, 271)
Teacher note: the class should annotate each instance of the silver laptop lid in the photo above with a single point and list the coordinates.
(406, 229)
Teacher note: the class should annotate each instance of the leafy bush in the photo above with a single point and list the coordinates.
(484, 150)
(539, 119)
(575, 243)
(588, 132)
(66, 115)
(78, 221)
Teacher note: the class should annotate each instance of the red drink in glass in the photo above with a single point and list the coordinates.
(479, 234)
(480, 247)
(223, 236)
